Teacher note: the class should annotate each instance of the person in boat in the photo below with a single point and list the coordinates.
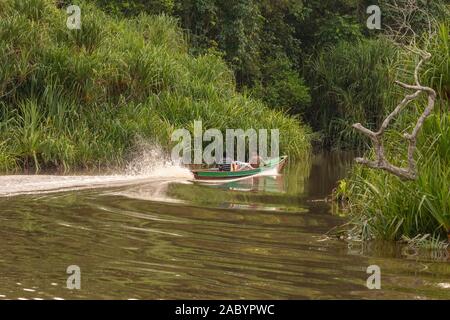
(240, 166)
(230, 165)
(233, 166)
(226, 164)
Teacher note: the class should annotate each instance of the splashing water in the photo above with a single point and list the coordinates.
(149, 164)
(151, 161)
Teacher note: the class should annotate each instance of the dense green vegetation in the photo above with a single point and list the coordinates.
(352, 82)
(79, 98)
(301, 56)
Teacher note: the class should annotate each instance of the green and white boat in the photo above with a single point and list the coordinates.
(215, 174)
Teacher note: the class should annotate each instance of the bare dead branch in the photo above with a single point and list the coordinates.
(409, 173)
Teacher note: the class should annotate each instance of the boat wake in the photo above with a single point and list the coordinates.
(34, 184)
(149, 167)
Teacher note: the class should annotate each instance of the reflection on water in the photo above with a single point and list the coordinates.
(258, 238)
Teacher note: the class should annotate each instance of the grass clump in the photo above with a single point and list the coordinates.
(351, 82)
(74, 99)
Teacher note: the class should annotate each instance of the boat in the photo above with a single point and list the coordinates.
(215, 174)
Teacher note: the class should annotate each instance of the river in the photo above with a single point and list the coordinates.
(164, 237)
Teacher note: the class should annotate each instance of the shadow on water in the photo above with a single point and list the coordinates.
(258, 238)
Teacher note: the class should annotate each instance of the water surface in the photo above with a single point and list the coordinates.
(161, 237)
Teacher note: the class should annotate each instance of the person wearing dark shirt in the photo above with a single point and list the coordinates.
(226, 164)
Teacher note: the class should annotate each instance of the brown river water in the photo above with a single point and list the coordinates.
(161, 236)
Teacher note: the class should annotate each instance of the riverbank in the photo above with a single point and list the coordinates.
(385, 206)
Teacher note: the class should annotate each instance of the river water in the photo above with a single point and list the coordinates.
(163, 237)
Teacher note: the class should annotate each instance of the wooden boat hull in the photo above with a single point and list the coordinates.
(214, 174)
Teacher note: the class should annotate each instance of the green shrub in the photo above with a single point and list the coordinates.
(351, 82)
(282, 87)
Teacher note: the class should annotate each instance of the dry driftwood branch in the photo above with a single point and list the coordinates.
(409, 173)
